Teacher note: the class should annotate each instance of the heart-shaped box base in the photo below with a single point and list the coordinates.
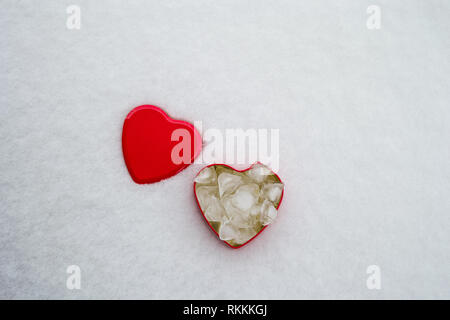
(212, 225)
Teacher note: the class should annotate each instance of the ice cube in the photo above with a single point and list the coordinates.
(205, 195)
(238, 205)
(228, 183)
(245, 234)
(272, 191)
(245, 197)
(227, 231)
(229, 208)
(259, 172)
(207, 176)
(215, 210)
(238, 217)
(241, 221)
(268, 213)
(255, 210)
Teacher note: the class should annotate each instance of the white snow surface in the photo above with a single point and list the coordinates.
(364, 147)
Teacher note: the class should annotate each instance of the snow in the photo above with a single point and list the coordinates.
(364, 147)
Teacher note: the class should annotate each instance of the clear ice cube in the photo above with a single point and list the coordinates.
(268, 213)
(259, 172)
(255, 210)
(205, 195)
(215, 210)
(244, 235)
(272, 191)
(228, 183)
(227, 231)
(239, 205)
(241, 221)
(236, 216)
(245, 197)
(206, 176)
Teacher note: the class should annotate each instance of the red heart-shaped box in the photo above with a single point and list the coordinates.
(209, 224)
(151, 141)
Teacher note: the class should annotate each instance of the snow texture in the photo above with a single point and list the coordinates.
(364, 153)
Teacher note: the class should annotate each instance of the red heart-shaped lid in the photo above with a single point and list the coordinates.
(156, 146)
